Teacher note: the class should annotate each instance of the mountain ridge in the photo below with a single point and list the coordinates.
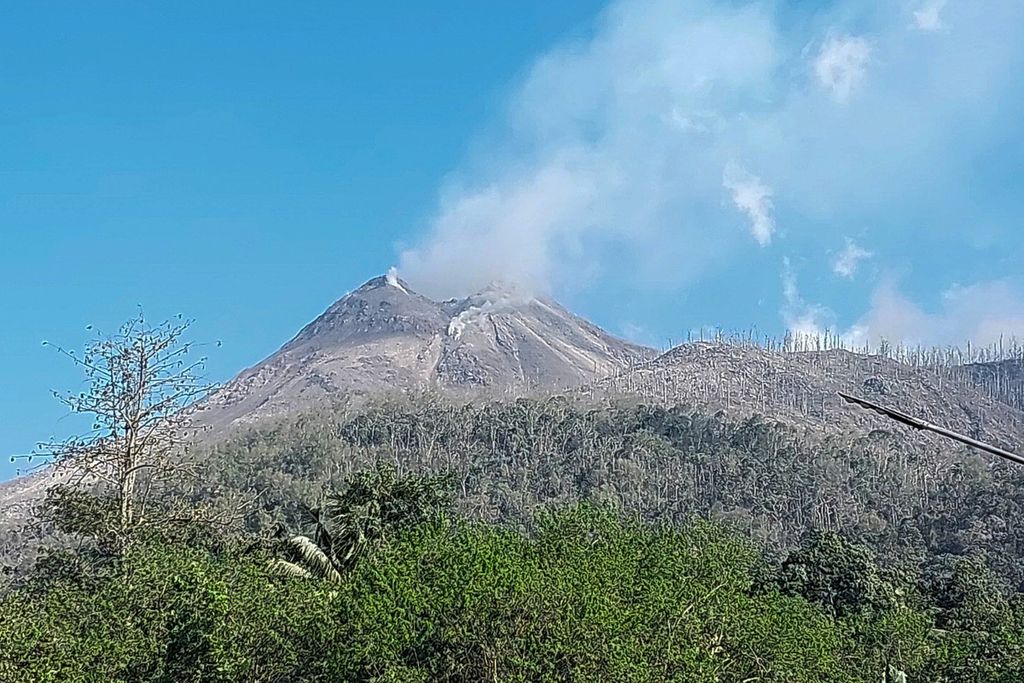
(800, 388)
(384, 336)
(501, 343)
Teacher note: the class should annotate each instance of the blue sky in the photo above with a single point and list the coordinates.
(658, 166)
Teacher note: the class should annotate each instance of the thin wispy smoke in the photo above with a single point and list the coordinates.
(842, 65)
(610, 143)
(754, 199)
(801, 318)
(982, 313)
(642, 150)
(848, 260)
(928, 17)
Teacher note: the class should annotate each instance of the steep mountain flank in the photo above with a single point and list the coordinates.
(385, 337)
(513, 455)
(501, 339)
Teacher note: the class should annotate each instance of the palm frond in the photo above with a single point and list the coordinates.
(286, 568)
(314, 558)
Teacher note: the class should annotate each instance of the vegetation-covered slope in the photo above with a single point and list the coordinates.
(588, 595)
(906, 497)
(592, 537)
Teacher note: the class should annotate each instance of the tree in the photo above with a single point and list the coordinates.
(970, 597)
(372, 506)
(843, 577)
(142, 384)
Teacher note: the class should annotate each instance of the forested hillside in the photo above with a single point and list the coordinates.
(599, 535)
(391, 584)
(910, 497)
(579, 541)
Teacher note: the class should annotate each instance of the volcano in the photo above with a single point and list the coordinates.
(385, 337)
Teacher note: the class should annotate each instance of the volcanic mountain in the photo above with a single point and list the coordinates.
(385, 337)
(501, 342)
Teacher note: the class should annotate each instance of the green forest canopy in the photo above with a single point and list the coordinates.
(579, 542)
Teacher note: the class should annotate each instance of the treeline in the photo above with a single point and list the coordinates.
(392, 584)
(909, 500)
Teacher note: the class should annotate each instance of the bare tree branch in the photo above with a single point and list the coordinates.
(140, 388)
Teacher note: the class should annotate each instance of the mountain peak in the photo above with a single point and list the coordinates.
(385, 337)
(389, 279)
(381, 307)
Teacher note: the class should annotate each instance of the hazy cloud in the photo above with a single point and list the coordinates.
(848, 260)
(611, 158)
(980, 313)
(842, 65)
(753, 198)
(510, 230)
(928, 17)
(610, 143)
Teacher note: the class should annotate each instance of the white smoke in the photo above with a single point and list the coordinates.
(982, 313)
(801, 318)
(609, 160)
(848, 260)
(495, 298)
(392, 279)
(929, 18)
(511, 230)
(608, 146)
(753, 198)
(842, 65)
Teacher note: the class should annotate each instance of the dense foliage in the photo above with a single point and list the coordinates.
(912, 502)
(591, 595)
(541, 540)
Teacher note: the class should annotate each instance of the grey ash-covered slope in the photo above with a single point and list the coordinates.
(801, 389)
(385, 337)
(1002, 380)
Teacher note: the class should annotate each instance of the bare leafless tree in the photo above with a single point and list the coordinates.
(142, 385)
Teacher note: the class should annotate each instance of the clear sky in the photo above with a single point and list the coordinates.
(658, 166)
